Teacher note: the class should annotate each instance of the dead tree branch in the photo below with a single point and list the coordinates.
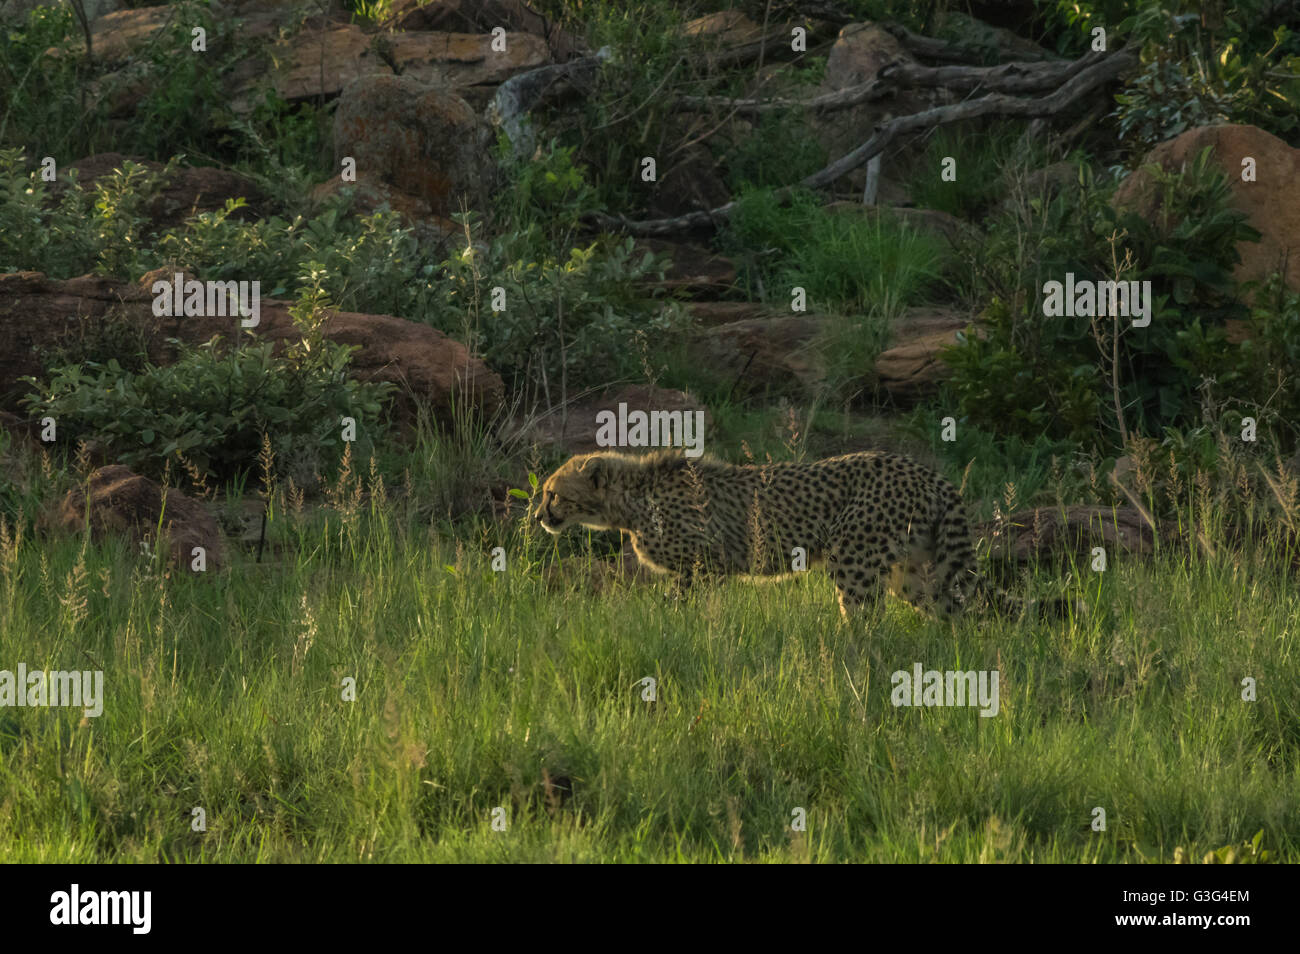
(995, 104)
(1020, 77)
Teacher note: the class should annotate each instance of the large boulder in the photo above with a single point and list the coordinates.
(860, 52)
(37, 312)
(1271, 202)
(117, 500)
(421, 147)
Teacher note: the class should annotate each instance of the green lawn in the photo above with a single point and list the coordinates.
(478, 690)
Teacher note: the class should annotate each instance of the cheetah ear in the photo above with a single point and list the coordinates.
(595, 471)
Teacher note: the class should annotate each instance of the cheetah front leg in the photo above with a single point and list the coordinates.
(858, 574)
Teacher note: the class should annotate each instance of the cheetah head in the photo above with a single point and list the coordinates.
(575, 494)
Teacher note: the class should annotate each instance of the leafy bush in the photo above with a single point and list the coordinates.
(546, 194)
(577, 320)
(1036, 374)
(212, 406)
(1240, 66)
(100, 229)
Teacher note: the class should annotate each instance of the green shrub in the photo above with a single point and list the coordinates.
(1241, 66)
(570, 321)
(546, 194)
(1036, 374)
(101, 229)
(212, 406)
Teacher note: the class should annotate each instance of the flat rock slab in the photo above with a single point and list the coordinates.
(321, 63)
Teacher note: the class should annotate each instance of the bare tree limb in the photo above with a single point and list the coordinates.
(840, 99)
(1016, 77)
(996, 104)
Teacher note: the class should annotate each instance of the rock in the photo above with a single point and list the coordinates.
(727, 30)
(188, 191)
(426, 365)
(860, 52)
(321, 63)
(117, 500)
(263, 19)
(912, 368)
(466, 59)
(1048, 532)
(420, 146)
(573, 429)
(773, 354)
(114, 35)
(481, 16)
(1271, 203)
(730, 37)
(695, 271)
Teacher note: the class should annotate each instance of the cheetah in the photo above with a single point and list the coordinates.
(868, 518)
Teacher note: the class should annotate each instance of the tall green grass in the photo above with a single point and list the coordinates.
(521, 690)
